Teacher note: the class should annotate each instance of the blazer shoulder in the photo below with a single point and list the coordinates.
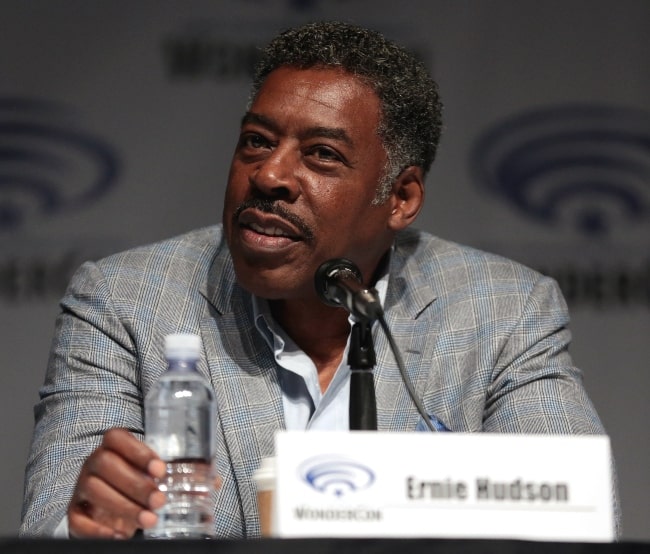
(187, 254)
(178, 267)
(447, 265)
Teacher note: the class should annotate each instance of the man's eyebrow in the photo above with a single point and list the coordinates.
(334, 133)
(255, 118)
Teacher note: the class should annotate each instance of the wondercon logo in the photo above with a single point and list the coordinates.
(48, 166)
(335, 475)
(581, 166)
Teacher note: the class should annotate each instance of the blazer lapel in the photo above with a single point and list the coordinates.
(244, 377)
(413, 324)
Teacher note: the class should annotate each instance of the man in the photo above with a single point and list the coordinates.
(330, 162)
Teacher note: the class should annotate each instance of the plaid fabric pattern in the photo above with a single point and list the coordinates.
(484, 340)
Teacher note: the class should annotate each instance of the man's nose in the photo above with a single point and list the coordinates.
(276, 175)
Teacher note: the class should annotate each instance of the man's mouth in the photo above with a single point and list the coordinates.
(271, 231)
(268, 225)
(272, 219)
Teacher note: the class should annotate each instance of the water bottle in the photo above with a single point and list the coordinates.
(179, 420)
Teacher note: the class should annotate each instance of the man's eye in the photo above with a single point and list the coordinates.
(325, 154)
(253, 141)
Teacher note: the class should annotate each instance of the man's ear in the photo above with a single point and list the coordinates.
(407, 198)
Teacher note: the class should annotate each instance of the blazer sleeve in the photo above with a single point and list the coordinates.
(536, 388)
(91, 385)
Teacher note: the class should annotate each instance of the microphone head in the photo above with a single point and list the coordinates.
(327, 272)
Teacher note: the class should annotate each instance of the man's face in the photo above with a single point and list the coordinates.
(302, 181)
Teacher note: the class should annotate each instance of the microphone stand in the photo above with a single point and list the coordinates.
(361, 359)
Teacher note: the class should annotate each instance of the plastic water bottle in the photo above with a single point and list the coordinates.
(179, 420)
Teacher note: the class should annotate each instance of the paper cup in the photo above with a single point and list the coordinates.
(264, 479)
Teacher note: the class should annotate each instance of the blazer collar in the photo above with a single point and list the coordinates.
(221, 283)
(409, 292)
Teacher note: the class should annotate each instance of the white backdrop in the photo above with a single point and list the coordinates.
(118, 119)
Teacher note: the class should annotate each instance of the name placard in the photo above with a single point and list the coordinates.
(371, 484)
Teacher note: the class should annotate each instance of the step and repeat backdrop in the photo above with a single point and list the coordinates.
(118, 119)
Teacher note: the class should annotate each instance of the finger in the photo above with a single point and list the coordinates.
(99, 506)
(123, 478)
(130, 448)
(81, 526)
(157, 468)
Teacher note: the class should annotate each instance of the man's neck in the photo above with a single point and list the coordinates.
(318, 330)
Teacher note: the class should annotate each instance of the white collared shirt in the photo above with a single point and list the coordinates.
(305, 405)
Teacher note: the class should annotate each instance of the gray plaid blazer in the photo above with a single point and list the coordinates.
(484, 340)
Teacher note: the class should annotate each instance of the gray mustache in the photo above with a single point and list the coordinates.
(274, 208)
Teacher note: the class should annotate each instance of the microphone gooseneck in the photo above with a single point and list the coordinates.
(361, 359)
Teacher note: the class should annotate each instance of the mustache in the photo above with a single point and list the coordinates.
(273, 207)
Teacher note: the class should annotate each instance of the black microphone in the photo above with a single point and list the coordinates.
(339, 283)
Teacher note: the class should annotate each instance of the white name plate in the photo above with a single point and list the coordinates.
(371, 484)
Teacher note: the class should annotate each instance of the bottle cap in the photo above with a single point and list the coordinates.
(183, 346)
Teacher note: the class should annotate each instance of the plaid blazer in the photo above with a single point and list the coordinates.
(484, 340)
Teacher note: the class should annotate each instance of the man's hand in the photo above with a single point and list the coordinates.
(116, 491)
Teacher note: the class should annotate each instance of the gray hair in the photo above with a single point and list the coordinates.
(411, 118)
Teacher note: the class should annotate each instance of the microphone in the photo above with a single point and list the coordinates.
(339, 283)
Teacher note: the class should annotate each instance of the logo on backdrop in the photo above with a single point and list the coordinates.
(204, 49)
(336, 475)
(48, 166)
(583, 171)
(582, 166)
